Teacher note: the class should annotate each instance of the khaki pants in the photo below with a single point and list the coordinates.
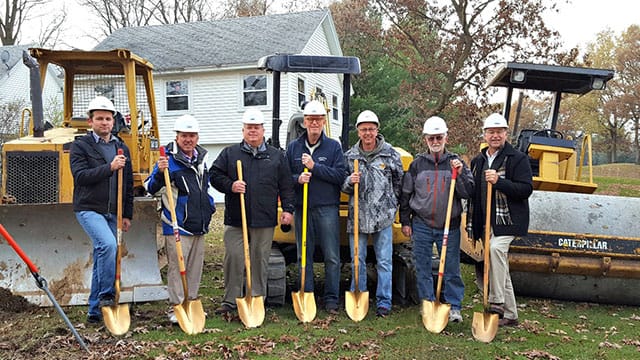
(500, 287)
(259, 251)
(193, 253)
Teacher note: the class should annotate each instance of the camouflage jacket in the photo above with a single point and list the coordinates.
(379, 189)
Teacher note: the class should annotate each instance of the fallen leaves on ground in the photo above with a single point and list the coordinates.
(537, 354)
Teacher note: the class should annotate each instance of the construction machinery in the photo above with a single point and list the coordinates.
(580, 246)
(37, 178)
(284, 250)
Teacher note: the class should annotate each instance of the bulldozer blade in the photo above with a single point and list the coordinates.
(304, 305)
(356, 304)
(251, 310)
(116, 318)
(435, 315)
(57, 243)
(484, 326)
(190, 316)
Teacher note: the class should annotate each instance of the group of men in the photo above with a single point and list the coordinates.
(318, 162)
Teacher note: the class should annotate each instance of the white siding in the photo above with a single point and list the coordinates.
(16, 87)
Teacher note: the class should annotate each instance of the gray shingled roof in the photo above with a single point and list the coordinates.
(13, 54)
(219, 43)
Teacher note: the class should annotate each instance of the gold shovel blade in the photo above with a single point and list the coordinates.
(304, 305)
(116, 318)
(190, 315)
(251, 310)
(484, 326)
(356, 304)
(435, 315)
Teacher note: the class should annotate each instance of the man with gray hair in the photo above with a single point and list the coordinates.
(380, 177)
(266, 177)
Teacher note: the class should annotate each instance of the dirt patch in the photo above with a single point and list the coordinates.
(14, 303)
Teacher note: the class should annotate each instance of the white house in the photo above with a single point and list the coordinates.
(14, 80)
(209, 69)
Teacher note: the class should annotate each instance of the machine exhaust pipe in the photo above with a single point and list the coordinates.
(36, 94)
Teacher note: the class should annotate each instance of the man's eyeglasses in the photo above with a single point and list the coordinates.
(364, 130)
(435, 137)
(314, 120)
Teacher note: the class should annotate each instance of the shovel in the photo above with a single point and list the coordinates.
(116, 317)
(190, 314)
(41, 283)
(435, 315)
(356, 302)
(485, 324)
(304, 303)
(250, 308)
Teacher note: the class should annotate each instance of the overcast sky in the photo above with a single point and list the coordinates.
(578, 23)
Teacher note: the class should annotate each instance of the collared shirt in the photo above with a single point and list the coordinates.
(490, 158)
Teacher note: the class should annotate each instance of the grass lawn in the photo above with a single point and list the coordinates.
(548, 329)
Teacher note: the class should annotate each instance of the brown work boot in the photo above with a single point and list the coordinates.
(224, 309)
(508, 322)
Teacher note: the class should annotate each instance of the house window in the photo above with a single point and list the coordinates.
(301, 93)
(254, 90)
(334, 109)
(177, 95)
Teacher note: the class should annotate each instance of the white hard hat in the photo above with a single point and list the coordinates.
(367, 116)
(186, 123)
(434, 125)
(495, 120)
(253, 116)
(101, 103)
(314, 107)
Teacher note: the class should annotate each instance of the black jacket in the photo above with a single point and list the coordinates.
(517, 185)
(91, 178)
(267, 176)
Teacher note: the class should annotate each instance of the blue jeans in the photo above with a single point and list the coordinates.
(423, 239)
(102, 231)
(383, 247)
(323, 229)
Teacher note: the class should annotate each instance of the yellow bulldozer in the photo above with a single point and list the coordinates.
(580, 246)
(37, 180)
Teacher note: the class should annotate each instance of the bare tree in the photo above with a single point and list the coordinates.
(15, 13)
(173, 12)
(51, 31)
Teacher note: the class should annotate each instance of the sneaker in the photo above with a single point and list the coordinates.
(94, 319)
(455, 316)
(224, 309)
(382, 312)
(172, 316)
(508, 322)
(496, 309)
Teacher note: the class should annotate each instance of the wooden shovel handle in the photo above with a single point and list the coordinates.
(303, 261)
(176, 230)
(356, 229)
(245, 236)
(487, 248)
(119, 232)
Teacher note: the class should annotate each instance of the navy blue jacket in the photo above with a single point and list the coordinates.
(92, 176)
(328, 173)
(190, 188)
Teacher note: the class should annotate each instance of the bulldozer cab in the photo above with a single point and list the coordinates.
(36, 175)
(553, 156)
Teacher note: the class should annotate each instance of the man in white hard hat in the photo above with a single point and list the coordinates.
(380, 177)
(509, 172)
(324, 159)
(188, 165)
(266, 177)
(423, 208)
(95, 164)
